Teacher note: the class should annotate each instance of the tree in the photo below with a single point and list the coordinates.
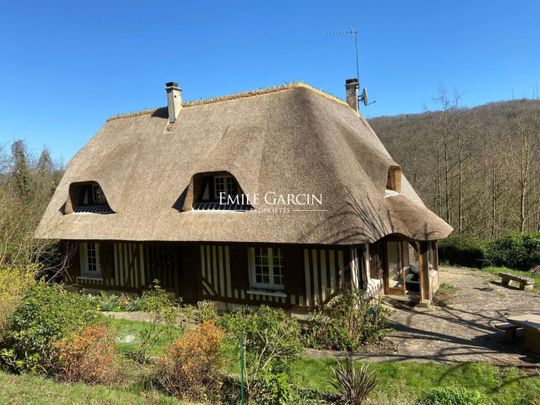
(20, 171)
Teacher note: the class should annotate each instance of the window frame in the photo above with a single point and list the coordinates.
(393, 179)
(229, 182)
(84, 260)
(271, 254)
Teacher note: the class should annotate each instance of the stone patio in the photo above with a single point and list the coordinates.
(464, 330)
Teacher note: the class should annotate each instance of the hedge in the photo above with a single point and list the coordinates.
(462, 251)
(516, 251)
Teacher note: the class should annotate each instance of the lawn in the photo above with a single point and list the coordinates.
(399, 383)
(405, 382)
(128, 335)
(535, 277)
(30, 390)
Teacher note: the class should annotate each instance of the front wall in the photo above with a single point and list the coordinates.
(324, 271)
(324, 275)
(223, 272)
(122, 267)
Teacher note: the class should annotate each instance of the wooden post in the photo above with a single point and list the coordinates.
(423, 264)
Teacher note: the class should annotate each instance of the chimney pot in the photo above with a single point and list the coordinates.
(351, 90)
(174, 100)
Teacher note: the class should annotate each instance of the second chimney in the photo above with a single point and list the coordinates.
(174, 100)
(351, 89)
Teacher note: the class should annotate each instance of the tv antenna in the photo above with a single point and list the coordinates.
(354, 32)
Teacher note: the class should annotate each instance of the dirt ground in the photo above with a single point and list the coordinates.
(464, 330)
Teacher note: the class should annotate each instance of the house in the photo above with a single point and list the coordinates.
(283, 196)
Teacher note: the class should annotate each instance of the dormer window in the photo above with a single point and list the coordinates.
(218, 191)
(92, 195)
(87, 197)
(225, 188)
(393, 181)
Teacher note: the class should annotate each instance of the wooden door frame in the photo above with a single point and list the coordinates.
(387, 289)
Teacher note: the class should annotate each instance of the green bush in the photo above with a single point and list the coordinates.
(462, 251)
(516, 251)
(164, 315)
(201, 312)
(272, 341)
(106, 301)
(44, 315)
(347, 322)
(13, 282)
(453, 396)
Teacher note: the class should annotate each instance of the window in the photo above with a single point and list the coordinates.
(93, 195)
(87, 197)
(225, 186)
(218, 192)
(393, 180)
(267, 268)
(90, 260)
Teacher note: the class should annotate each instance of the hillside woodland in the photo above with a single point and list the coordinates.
(477, 168)
(27, 183)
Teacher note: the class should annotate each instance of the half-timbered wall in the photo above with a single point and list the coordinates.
(324, 271)
(222, 272)
(122, 266)
(129, 265)
(312, 276)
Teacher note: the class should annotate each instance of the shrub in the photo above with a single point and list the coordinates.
(516, 251)
(105, 301)
(271, 340)
(45, 314)
(347, 322)
(273, 389)
(88, 355)
(164, 315)
(453, 396)
(353, 385)
(203, 311)
(444, 294)
(190, 366)
(462, 251)
(13, 282)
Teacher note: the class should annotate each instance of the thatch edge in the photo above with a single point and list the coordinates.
(250, 93)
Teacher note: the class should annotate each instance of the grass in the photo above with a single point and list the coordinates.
(33, 390)
(128, 333)
(444, 294)
(535, 277)
(405, 382)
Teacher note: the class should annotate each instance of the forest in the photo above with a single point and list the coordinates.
(27, 182)
(477, 168)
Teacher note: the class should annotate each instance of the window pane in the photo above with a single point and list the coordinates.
(92, 257)
(262, 268)
(277, 267)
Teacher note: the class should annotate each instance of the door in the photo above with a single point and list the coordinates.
(394, 274)
(189, 285)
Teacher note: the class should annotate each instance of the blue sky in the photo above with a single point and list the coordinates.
(65, 66)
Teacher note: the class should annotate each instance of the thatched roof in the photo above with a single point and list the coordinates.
(288, 140)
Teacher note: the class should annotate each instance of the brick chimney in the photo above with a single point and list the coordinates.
(351, 89)
(174, 100)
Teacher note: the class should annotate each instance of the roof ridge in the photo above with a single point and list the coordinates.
(233, 96)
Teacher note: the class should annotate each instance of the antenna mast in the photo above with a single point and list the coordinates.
(353, 31)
